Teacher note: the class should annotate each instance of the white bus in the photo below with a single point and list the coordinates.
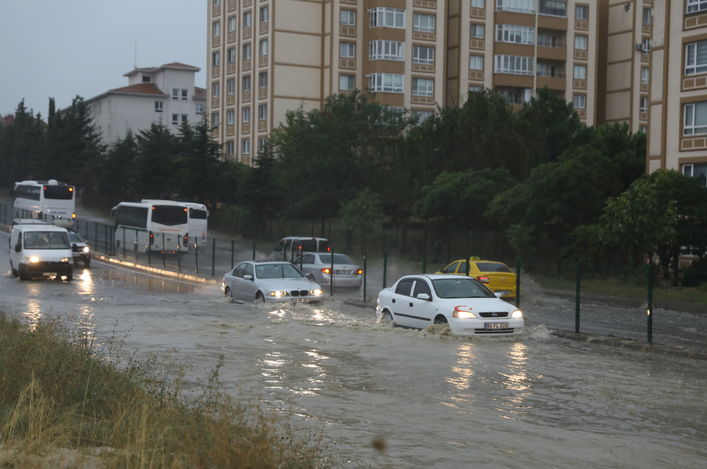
(51, 200)
(157, 226)
(198, 219)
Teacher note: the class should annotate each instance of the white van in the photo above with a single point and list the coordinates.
(292, 246)
(38, 250)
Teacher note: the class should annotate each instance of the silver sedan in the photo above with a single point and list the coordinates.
(269, 281)
(346, 273)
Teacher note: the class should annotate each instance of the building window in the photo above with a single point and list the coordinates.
(264, 14)
(158, 106)
(347, 50)
(245, 115)
(647, 16)
(262, 144)
(245, 146)
(216, 28)
(247, 19)
(696, 5)
(217, 3)
(696, 57)
(347, 82)
(231, 55)
(383, 17)
(421, 115)
(695, 118)
(246, 51)
(214, 119)
(423, 87)
(175, 119)
(263, 47)
(230, 117)
(231, 86)
(513, 64)
(580, 72)
(423, 55)
(476, 62)
(185, 118)
(215, 90)
(476, 30)
(263, 112)
(175, 94)
(423, 23)
(579, 101)
(581, 12)
(245, 83)
(515, 34)
(385, 82)
(216, 59)
(232, 24)
(477, 3)
(475, 89)
(230, 150)
(520, 6)
(386, 50)
(347, 17)
(199, 108)
(643, 129)
(146, 79)
(696, 170)
(580, 42)
(263, 79)
(646, 45)
(644, 104)
(645, 75)
(185, 94)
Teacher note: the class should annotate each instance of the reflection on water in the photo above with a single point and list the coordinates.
(86, 285)
(515, 381)
(86, 324)
(34, 313)
(463, 371)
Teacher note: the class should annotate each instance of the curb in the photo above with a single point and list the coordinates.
(155, 270)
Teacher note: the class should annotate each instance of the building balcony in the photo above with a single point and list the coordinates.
(262, 60)
(262, 125)
(643, 115)
(476, 43)
(349, 2)
(215, 10)
(263, 28)
(581, 112)
(247, 32)
(424, 36)
(348, 63)
(691, 143)
(581, 54)
(215, 102)
(694, 82)
(232, 5)
(245, 128)
(245, 65)
(424, 4)
(230, 130)
(477, 75)
(644, 86)
(215, 72)
(262, 93)
(581, 25)
(579, 83)
(231, 68)
(645, 58)
(230, 100)
(231, 37)
(347, 30)
(478, 13)
(553, 83)
(424, 100)
(423, 68)
(647, 28)
(552, 8)
(695, 20)
(245, 96)
(557, 52)
(247, 3)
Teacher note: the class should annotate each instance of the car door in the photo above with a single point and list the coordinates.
(250, 286)
(451, 268)
(236, 281)
(399, 302)
(424, 309)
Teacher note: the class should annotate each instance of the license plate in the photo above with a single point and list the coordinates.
(495, 325)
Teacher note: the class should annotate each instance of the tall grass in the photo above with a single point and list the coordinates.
(56, 393)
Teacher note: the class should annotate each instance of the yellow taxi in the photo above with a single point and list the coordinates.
(497, 276)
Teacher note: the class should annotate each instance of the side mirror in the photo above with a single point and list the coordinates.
(248, 277)
(498, 294)
(309, 275)
(18, 248)
(423, 296)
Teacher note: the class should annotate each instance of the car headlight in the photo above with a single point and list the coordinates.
(33, 259)
(316, 292)
(517, 314)
(86, 249)
(463, 312)
(64, 259)
(278, 293)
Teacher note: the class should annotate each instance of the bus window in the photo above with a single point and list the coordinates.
(58, 192)
(169, 215)
(197, 213)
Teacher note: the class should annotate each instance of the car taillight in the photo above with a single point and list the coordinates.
(328, 249)
(186, 238)
(326, 270)
(482, 279)
(359, 272)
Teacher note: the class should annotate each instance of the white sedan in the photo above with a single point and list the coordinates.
(465, 304)
(269, 281)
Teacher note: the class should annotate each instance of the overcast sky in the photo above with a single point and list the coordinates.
(64, 48)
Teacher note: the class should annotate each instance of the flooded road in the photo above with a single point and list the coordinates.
(437, 401)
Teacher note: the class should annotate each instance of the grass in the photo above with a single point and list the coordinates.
(625, 288)
(57, 395)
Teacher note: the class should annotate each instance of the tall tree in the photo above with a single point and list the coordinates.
(156, 167)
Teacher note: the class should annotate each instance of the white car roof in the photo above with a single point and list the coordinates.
(435, 276)
(41, 228)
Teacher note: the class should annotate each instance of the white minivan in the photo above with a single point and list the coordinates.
(39, 250)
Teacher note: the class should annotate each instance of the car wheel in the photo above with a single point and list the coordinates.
(23, 275)
(228, 293)
(441, 320)
(386, 316)
(259, 298)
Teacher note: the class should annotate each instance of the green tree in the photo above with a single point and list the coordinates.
(363, 214)
(261, 194)
(21, 147)
(156, 167)
(117, 175)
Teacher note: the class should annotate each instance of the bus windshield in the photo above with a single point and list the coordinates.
(59, 192)
(169, 215)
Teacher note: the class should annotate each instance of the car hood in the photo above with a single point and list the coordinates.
(478, 304)
(287, 284)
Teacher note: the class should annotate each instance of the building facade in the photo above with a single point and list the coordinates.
(163, 95)
(677, 136)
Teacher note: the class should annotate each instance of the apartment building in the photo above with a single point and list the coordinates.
(163, 95)
(677, 134)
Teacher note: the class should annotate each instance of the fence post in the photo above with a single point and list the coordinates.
(233, 249)
(179, 252)
(135, 245)
(385, 267)
(365, 271)
(331, 282)
(424, 252)
(649, 311)
(517, 279)
(577, 302)
(196, 256)
(213, 257)
(123, 242)
(164, 253)
(253, 250)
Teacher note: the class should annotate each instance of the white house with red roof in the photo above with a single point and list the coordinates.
(155, 95)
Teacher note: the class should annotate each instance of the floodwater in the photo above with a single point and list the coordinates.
(435, 400)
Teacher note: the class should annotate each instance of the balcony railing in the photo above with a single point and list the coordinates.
(553, 8)
(550, 42)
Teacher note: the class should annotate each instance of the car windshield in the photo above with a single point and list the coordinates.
(46, 240)
(264, 271)
(75, 237)
(492, 267)
(460, 288)
(338, 259)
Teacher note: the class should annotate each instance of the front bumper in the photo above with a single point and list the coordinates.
(486, 326)
(39, 268)
(294, 299)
